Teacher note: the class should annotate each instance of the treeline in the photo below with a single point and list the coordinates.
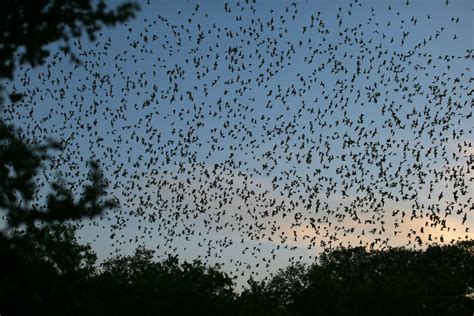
(47, 272)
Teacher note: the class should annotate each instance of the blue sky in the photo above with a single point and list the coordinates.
(213, 125)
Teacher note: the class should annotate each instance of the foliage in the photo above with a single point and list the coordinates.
(53, 274)
(19, 165)
(43, 268)
(28, 27)
(44, 271)
(126, 285)
(397, 281)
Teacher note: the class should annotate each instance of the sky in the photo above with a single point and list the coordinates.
(256, 134)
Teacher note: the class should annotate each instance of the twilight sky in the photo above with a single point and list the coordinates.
(255, 134)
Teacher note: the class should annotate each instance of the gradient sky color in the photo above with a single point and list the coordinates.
(217, 124)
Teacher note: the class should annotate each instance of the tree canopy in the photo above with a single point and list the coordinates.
(53, 274)
(27, 28)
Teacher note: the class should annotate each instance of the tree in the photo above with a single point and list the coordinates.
(396, 281)
(42, 266)
(27, 28)
(354, 281)
(257, 299)
(19, 165)
(46, 272)
(138, 285)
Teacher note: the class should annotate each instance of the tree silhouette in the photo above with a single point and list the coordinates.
(27, 28)
(397, 281)
(258, 299)
(42, 266)
(18, 169)
(128, 284)
(44, 271)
